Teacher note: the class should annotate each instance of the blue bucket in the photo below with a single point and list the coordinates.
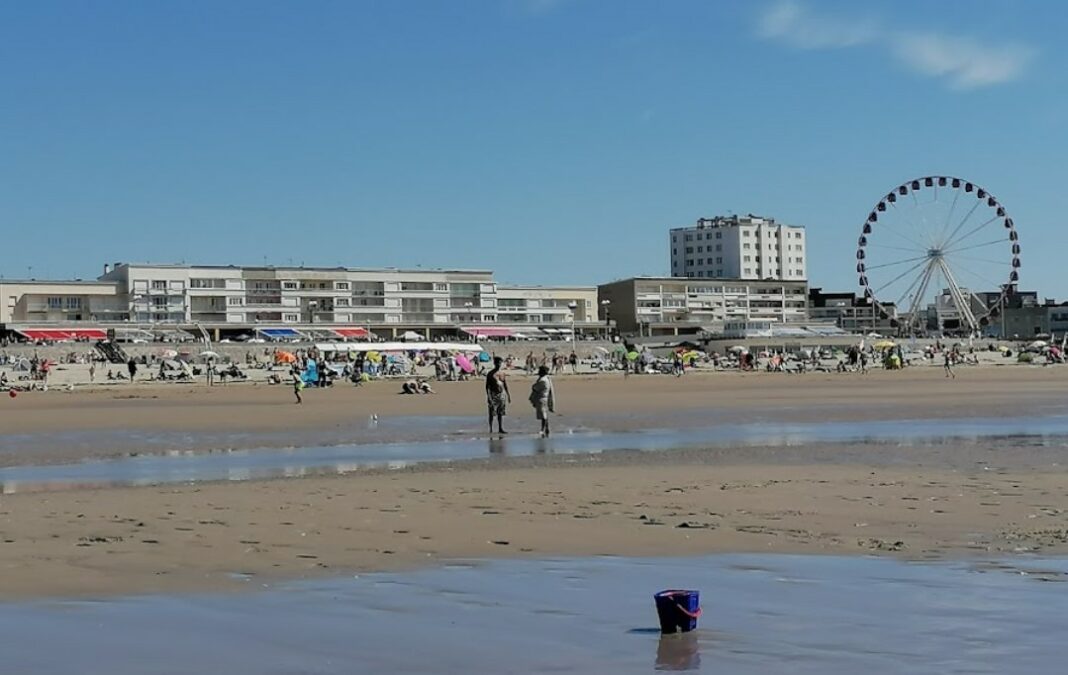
(678, 610)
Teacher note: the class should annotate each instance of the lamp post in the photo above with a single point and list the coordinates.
(573, 306)
(607, 320)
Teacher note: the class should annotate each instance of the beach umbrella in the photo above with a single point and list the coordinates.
(632, 356)
(1037, 344)
(484, 357)
(374, 357)
(210, 355)
(284, 357)
(601, 349)
(169, 353)
(884, 344)
(738, 349)
(465, 364)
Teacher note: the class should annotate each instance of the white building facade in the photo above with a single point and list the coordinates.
(239, 300)
(652, 305)
(739, 247)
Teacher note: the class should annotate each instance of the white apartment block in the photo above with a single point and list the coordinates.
(739, 247)
(220, 295)
(233, 300)
(546, 304)
(664, 305)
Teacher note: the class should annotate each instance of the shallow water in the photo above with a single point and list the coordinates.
(763, 614)
(236, 465)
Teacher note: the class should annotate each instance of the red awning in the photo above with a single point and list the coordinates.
(489, 332)
(351, 332)
(58, 334)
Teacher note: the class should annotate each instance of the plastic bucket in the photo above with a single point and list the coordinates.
(678, 610)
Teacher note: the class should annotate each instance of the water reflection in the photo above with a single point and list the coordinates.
(185, 466)
(680, 651)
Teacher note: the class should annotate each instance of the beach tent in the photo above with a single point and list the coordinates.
(412, 336)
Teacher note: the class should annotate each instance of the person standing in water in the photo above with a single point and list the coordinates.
(497, 395)
(543, 398)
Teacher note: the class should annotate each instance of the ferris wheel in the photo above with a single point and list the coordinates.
(943, 242)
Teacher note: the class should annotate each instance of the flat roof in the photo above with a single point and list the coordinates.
(707, 280)
(298, 268)
(52, 282)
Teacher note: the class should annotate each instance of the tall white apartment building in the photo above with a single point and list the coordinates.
(739, 247)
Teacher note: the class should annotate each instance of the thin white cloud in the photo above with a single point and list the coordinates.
(790, 22)
(963, 62)
(966, 63)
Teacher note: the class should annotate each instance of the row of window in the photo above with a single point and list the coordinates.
(745, 233)
(64, 303)
(748, 271)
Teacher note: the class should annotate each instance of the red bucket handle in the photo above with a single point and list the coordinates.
(692, 615)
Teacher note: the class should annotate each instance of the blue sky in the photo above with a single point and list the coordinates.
(554, 141)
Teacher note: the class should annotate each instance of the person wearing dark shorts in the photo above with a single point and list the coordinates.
(497, 395)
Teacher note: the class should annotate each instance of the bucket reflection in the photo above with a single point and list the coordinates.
(678, 652)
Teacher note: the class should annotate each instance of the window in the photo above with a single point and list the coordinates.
(74, 303)
(235, 301)
(700, 261)
(289, 317)
(159, 285)
(700, 274)
(746, 233)
(748, 270)
(674, 239)
(341, 302)
(689, 262)
(747, 258)
(289, 285)
(719, 261)
(674, 251)
(719, 235)
(342, 285)
(700, 249)
(689, 249)
(159, 302)
(55, 303)
(689, 237)
(719, 247)
(441, 287)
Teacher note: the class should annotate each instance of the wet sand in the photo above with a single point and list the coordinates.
(61, 426)
(817, 615)
(911, 502)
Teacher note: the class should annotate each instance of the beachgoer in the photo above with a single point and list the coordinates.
(92, 370)
(211, 372)
(543, 398)
(298, 385)
(573, 361)
(947, 364)
(131, 366)
(497, 395)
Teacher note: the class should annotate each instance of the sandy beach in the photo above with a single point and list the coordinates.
(917, 501)
(62, 426)
(798, 500)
